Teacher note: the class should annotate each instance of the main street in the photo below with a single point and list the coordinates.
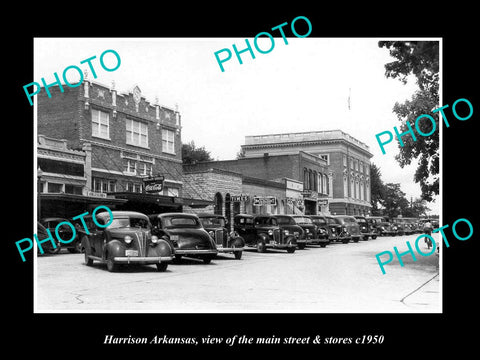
(339, 278)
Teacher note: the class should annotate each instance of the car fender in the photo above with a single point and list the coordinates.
(114, 248)
(262, 237)
(86, 243)
(164, 248)
(237, 241)
(290, 239)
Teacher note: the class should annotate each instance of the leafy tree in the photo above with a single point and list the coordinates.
(191, 154)
(395, 202)
(420, 59)
(377, 189)
(417, 208)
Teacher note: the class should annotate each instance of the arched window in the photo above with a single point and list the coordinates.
(311, 181)
(218, 204)
(315, 181)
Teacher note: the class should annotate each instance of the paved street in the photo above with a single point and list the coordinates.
(338, 278)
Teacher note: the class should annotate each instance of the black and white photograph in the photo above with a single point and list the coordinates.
(253, 187)
(292, 181)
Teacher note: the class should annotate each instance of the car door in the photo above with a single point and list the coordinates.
(245, 230)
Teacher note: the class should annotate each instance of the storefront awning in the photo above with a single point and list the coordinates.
(81, 199)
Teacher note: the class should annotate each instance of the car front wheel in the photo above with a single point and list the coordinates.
(111, 265)
(261, 248)
(162, 266)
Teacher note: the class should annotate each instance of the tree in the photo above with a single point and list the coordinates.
(420, 59)
(417, 208)
(191, 154)
(377, 189)
(395, 202)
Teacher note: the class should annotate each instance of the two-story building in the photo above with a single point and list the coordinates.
(129, 139)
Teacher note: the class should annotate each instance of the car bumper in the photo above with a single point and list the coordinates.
(221, 249)
(142, 259)
(195, 252)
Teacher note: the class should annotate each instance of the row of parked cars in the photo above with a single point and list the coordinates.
(135, 238)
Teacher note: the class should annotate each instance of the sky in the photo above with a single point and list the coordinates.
(300, 86)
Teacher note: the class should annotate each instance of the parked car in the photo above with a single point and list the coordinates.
(262, 232)
(365, 228)
(350, 225)
(127, 240)
(47, 246)
(335, 231)
(313, 234)
(289, 226)
(186, 235)
(320, 222)
(225, 242)
(64, 232)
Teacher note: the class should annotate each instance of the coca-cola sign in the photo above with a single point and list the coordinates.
(153, 184)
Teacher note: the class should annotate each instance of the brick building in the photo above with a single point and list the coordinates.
(347, 158)
(287, 177)
(129, 139)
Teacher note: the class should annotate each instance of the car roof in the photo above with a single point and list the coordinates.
(54, 219)
(174, 214)
(120, 213)
(210, 215)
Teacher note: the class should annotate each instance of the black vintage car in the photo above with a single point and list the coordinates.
(262, 232)
(320, 222)
(186, 234)
(365, 229)
(335, 230)
(126, 240)
(314, 235)
(226, 242)
(47, 247)
(64, 232)
(289, 226)
(349, 225)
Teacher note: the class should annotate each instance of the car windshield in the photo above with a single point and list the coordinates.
(213, 221)
(361, 220)
(331, 221)
(319, 221)
(180, 221)
(129, 222)
(285, 220)
(265, 221)
(244, 220)
(348, 220)
(303, 220)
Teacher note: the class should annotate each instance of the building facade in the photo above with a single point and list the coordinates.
(348, 161)
(129, 140)
(304, 180)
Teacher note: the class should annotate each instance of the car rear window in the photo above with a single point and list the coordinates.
(285, 220)
(180, 221)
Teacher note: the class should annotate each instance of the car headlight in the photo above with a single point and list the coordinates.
(128, 239)
(154, 239)
(212, 234)
(286, 232)
(394, 228)
(270, 232)
(307, 231)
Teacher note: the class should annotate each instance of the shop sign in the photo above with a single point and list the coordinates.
(153, 184)
(295, 202)
(239, 198)
(96, 194)
(264, 200)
